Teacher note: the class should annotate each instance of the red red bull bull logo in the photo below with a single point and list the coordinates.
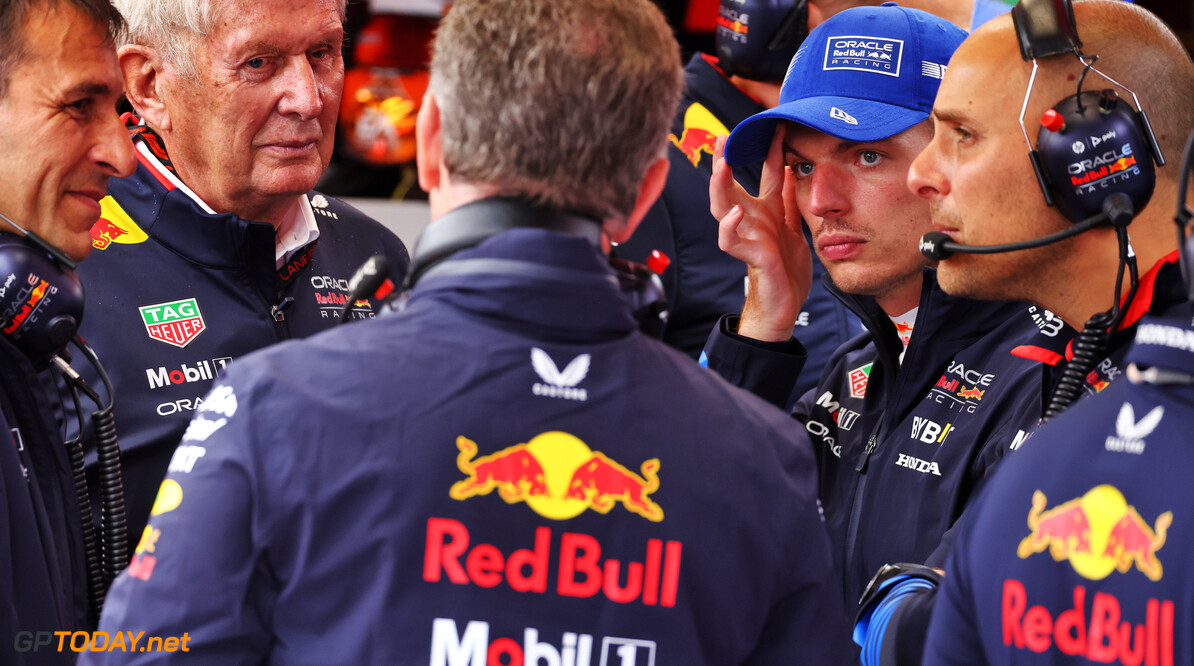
(971, 393)
(27, 301)
(1097, 533)
(114, 226)
(558, 477)
(143, 562)
(1101, 631)
(701, 129)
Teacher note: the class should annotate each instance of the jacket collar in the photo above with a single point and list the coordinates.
(555, 283)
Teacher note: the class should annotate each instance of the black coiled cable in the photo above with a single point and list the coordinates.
(1089, 348)
(112, 515)
(107, 558)
(96, 590)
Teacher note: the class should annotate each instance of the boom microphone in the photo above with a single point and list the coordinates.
(372, 279)
(1117, 210)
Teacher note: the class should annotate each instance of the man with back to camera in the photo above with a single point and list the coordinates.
(507, 471)
(61, 141)
(1115, 590)
(217, 246)
(976, 141)
(912, 415)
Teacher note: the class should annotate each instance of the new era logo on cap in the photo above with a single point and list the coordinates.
(838, 114)
(864, 54)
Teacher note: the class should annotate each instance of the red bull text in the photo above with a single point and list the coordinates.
(580, 570)
(1099, 633)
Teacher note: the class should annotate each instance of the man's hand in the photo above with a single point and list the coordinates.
(764, 233)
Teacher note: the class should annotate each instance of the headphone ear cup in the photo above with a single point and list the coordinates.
(41, 301)
(1097, 150)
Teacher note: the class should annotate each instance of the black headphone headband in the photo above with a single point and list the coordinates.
(468, 225)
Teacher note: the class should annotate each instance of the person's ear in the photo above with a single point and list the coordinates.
(141, 68)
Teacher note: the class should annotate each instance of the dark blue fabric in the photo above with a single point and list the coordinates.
(43, 583)
(228, 265)
(702, 282)
(1086, 531)
(309, 528)
(932, 447)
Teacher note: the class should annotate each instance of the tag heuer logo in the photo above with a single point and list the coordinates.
(176, 323)
(858, 378)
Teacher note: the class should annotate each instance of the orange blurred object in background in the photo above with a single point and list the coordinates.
(383, 91)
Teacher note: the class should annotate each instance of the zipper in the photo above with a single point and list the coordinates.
(856, 509)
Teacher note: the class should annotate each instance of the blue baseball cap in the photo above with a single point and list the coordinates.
(866, 74)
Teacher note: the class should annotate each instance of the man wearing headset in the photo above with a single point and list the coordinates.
(755, 41)
(507, 471)
(911, 416)
(982, 190)
(1078, 546)
(61, 141)
(216, 246)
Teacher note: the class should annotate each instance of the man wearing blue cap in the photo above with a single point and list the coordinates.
(912, 415)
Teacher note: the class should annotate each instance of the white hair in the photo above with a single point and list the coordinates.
(172, 26)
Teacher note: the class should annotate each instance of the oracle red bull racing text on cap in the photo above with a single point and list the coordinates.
(866, 74)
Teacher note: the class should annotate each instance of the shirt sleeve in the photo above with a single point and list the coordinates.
(953, 628)
(196, 571)
(767, 369)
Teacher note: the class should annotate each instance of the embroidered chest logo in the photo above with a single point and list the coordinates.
(319, 206)
(1130, 433)
(557, 383)
(176, 323)
(115, 226)
(961, 388)
(858, 379)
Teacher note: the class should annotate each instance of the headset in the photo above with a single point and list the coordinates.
(469, 225)
(1094, 160)
(1091, 145)
(41, 308)
(756, 39)
(1185, 243)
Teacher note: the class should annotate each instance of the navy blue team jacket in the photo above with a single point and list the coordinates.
(175, 294)
(1080, 547)
(1160, 290)
(43, 582)
(902, 448)
(703, 283)
(506, 471)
